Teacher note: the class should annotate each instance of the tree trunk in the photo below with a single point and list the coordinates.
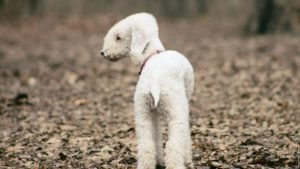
(273, 16)
(202, 6)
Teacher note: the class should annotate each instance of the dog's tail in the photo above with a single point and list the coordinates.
(154, 94)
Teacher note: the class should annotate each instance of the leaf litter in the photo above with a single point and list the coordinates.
(63, 106)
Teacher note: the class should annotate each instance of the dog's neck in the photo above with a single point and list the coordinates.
(151, 47)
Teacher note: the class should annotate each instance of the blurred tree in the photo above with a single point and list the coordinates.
(11, 8)
(183, 8)
(18, 8)
(202, 6)
(1, 4)
(273, 16)
(173, 8)
(33, 6)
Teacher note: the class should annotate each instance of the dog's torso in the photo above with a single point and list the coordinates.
(166, 75)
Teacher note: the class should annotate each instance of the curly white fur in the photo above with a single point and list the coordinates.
(165, 86)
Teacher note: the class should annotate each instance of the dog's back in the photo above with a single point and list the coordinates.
(166, 73)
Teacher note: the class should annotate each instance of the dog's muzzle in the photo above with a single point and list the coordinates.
(113, 59)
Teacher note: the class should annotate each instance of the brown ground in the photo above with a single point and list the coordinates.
(63, 106)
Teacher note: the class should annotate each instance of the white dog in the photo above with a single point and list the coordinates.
(165, 86)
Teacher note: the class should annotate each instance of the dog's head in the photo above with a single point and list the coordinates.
(129, 36)
(117, 42)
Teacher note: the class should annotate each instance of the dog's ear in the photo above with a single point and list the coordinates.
(139, 41)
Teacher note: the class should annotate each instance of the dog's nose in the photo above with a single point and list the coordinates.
(102, 53)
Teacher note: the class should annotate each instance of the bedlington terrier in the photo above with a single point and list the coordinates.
(165, 87)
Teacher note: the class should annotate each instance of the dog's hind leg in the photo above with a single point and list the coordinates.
(178, 148)
(158, 140)
(145, 133)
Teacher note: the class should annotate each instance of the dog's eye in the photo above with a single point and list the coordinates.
(118, 38)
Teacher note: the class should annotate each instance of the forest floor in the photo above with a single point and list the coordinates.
(64, 106)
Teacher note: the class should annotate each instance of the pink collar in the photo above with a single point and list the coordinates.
(145, 61)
